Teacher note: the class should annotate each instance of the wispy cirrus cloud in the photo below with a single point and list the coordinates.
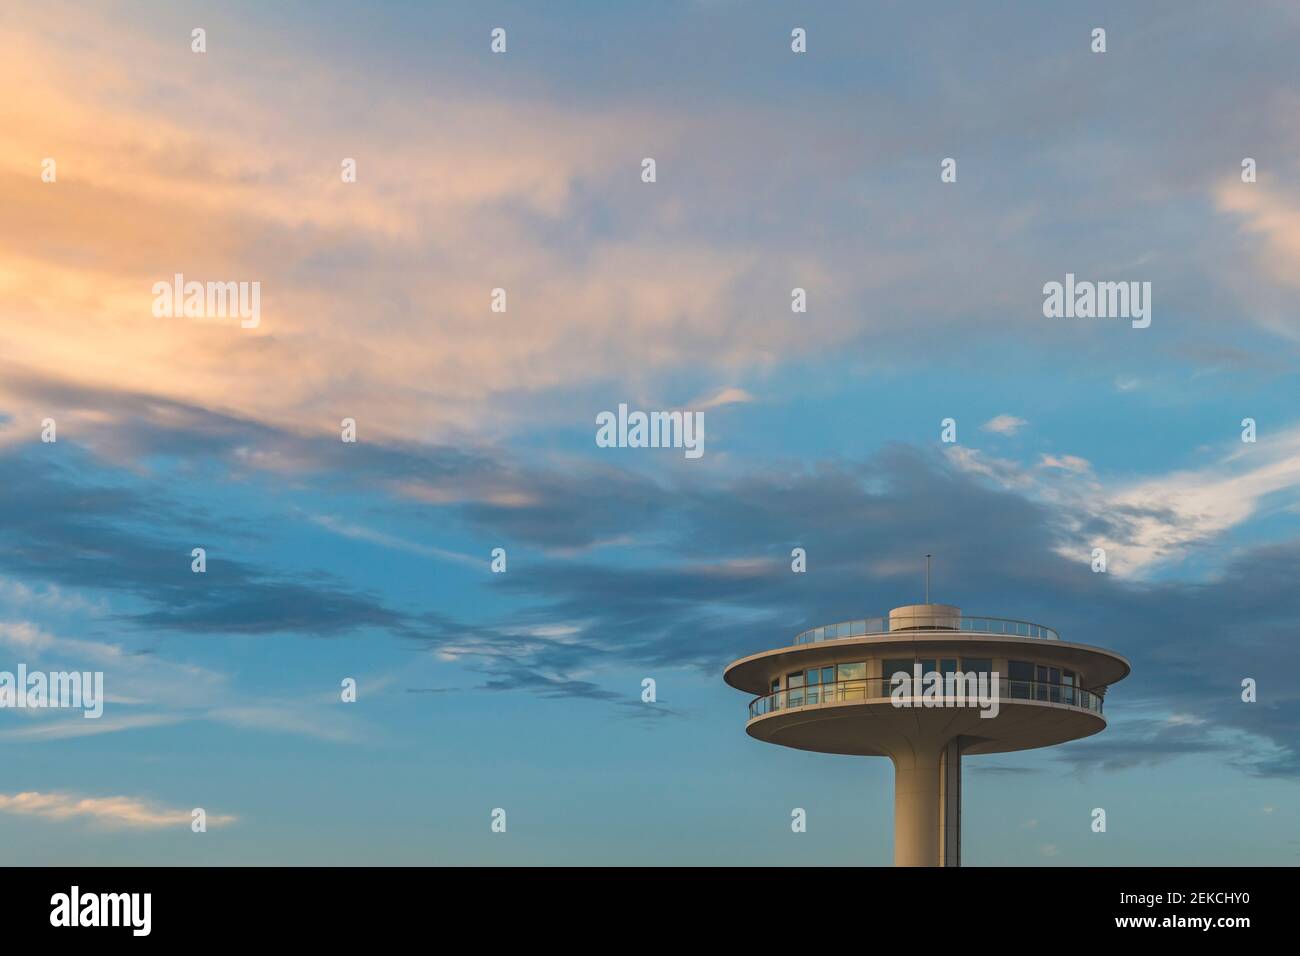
(730, 395)
(115, 811)
(150, 690)
(361, 533)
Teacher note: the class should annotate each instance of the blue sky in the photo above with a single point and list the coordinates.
(522, 170)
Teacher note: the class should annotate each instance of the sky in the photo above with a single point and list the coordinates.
(523, 170)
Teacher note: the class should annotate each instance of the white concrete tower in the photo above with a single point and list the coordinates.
(834, 690)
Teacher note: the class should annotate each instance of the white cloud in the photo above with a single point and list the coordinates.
(131, 678)
(1065, 462)
(50, 596)
(62, 725)
(143, 690)
(1004, 471)
(723, 396)
(112, 811)
(361, 533)
(289, 718)
(1160, 518)
(1004, 424)
(1152, 521)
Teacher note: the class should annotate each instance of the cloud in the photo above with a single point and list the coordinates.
(1004, 424)
(723, 396)
(375, 293)
(74, 533)
(982, 768)
(1065, 463)
(1000, 552)
(147, 690)
(129, 812)
(1274, 216)
(288, 717)
(1146, 742)
(1154, 520)
(524, 679)
(51, 596)
(710, 579)
(599, 276)
(361, 533)
(1150, 522)
(66, 727)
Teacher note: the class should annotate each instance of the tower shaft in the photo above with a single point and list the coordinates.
(927, 805)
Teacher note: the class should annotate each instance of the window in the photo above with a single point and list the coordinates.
(1043, 676)
(890, 668)
(948, 666)
(1021, 674)
(1028, 681)
(856, 677)
(813, 678)
(819, 684)
(776, 684)
(794, 688)
(972, 668)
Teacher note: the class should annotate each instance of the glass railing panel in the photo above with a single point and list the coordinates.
(877, 688)
(973, 624)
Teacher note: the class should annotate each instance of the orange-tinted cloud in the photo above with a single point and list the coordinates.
(375, 295)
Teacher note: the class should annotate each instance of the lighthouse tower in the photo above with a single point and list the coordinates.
(926, 686)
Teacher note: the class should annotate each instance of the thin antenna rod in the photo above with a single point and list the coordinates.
(927, 577)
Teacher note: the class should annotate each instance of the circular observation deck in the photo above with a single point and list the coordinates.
(1004, 685)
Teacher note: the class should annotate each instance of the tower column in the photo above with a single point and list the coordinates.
(927, 805)
(917, 788)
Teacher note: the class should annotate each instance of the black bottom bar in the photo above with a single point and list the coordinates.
(658, 907)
